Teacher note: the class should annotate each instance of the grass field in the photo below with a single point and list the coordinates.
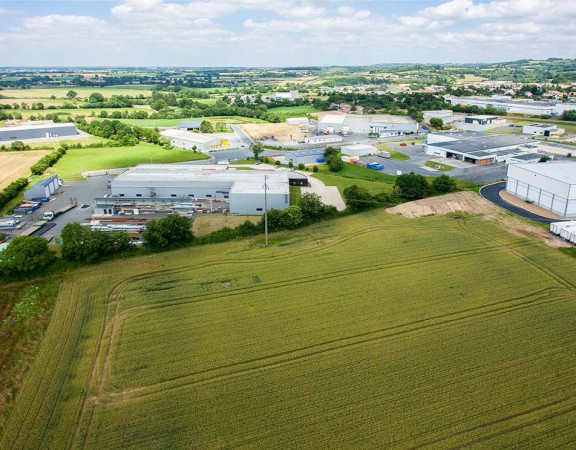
(83, 92)
(15, 165)
(174, 122)
(438, 166)
(394, 154)
(293, 111)
(207, 224)
(373, 331)
(76, 161)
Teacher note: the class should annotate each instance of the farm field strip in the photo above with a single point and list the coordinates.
(14, 165)
(372, 331)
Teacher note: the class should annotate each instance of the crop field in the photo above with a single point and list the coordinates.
(373, 331)
(173, 122)
(15, 165)
(293, 111)
(76, 161)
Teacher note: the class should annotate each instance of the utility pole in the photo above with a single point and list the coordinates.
(265, 210)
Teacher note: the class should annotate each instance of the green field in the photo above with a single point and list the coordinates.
(372, 331)
(80, 160)
(293, 111)
(83, 92)
(174, 122)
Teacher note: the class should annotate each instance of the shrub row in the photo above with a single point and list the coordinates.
(12, 190)
(47, 161)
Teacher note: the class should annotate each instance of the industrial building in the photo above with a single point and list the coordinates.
(23, 133)
(43, 188)
(483, 120)
(445, 114)
(194, 141)
(242, 189)
(510, 105)
(366, 124)
(540, 129)
(475, 147)
(193, 125)
(358, 150)
(303, 156)
(297, 121)
(550, 185)
(323, 139)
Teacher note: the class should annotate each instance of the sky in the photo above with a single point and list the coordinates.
(282, 33)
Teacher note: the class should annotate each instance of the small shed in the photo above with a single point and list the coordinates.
(43, 188)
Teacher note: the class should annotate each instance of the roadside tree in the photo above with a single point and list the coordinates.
(443, 184)
(170, 232)
(206, 127)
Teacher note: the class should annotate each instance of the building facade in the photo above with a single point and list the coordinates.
(550, 185)
(24, 133)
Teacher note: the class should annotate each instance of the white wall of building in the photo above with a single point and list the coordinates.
(554, 193)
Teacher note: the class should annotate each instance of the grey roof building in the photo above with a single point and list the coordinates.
(43, 188)
(23, 133)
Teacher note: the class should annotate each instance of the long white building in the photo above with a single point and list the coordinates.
(189, 140)
(364, 124)
(243, 189)
(515, 106)
(550, 185)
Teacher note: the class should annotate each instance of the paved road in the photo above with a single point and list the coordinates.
(330, 195)
(492, 194)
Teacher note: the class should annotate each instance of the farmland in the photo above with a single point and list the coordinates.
(462, 336)
(15, 165)
(84, 159)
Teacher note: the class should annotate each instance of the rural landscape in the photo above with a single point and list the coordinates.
(280, 225)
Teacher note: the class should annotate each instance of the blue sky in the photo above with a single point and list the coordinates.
(282, 32)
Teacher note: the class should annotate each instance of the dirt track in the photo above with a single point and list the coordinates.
(280, 131)
(472, 203)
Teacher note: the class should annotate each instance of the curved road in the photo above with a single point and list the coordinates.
(492, 194)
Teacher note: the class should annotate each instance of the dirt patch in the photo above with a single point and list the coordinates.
(280, 131)
(528, 206)
(207, 224)
(15, 165)
(474, 204)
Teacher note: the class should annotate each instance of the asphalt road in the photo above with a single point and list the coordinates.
(492, 194)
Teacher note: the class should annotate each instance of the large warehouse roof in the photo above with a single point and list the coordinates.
(482, 143)
(564, 171)
(365, 118)
(38, 127)
(240, 180)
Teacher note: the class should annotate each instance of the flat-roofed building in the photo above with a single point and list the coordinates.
(550, 185)
(192, 141)
(243, 189)
(541, 129)
(367, 124)
(23, 133)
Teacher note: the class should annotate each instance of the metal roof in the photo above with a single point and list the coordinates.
(302, 153)
(486, 143)
(190, 124)
(38, 127)
(564, 171)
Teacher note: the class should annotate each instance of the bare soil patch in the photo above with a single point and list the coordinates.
(280, 131)
(472, 203)
(15, 165)
(207, 224)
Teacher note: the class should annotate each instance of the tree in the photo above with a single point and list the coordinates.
(437, 123)
(83, 244)
(206, 127)
(358, 198)
(257, 149)
(169, 232)
(443, 184)
(411, 186)
(71, 94)
(26, 254)
(311, 206)
(335, 164)
(96, 97)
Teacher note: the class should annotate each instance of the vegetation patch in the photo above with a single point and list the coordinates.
(244, 339)
(439, 166)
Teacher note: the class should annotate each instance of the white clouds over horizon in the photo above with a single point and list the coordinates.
(287, 33)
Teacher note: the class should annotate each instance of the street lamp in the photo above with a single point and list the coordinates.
(265, 210)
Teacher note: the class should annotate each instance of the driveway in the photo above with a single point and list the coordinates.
(492, 194)
(330, 195)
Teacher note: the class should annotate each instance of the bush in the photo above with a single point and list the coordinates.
(411, 186)
(26, 255)
(170, 232)
(12, 190)
(48, 161)
(443, 184)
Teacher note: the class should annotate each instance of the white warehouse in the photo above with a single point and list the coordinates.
(189, 140)
(550, 185)
(243, 189)
(364, 124)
